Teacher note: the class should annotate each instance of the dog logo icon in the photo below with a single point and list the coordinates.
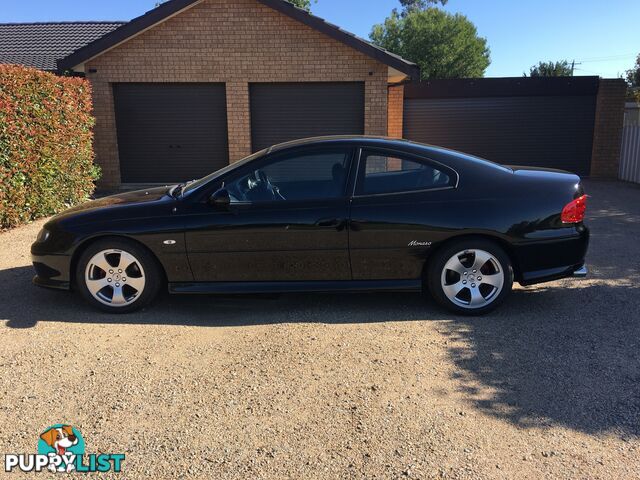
(62, 442)
(60, 439)
(61, 448)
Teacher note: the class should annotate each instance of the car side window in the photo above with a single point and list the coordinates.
(296, 177)
(382, 173)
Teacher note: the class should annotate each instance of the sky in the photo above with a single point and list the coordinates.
(602, 37)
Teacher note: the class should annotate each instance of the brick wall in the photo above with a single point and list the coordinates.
(236, 43)
(395, 111)
(607, 135)
(238, 120)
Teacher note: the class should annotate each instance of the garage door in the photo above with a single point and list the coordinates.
(554, 131)
(289, 111)
(170, 132)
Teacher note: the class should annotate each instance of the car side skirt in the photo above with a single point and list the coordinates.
(233, 288)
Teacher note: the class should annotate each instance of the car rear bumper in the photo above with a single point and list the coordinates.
(554, 258)
(548, 275)
(582, 272)
(52, 271)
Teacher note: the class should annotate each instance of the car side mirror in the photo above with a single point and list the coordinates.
(220, 199)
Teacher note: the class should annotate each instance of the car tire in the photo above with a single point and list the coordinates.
(470, 276)
(118, 276)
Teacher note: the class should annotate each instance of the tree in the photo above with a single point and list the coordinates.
(633, 75)
(411, 5)
(633, 79)
(551, 69)
(442, 44)
(304, 4)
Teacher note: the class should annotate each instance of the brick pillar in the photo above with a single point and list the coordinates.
(375, 104)
(395, 111)
(105, 141)
(607, 134)
(238, 120)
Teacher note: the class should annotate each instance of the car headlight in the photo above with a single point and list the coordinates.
(43, 236)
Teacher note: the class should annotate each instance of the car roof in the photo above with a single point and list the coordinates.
(344, 140)
(455, 158)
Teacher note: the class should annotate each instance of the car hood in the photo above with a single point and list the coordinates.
(128, 199)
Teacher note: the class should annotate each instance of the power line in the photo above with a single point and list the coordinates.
(589, 71)
(608, 58)
(573, 66)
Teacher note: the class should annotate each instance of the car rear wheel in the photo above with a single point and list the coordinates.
(118, 276)
(470, 277)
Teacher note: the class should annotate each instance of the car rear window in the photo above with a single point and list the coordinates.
(386, 173)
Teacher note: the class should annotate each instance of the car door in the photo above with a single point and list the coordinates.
(399, 210)
(287, 221)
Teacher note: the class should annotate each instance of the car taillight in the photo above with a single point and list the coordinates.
(574, 212)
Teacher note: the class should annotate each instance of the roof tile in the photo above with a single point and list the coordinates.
(40, 45)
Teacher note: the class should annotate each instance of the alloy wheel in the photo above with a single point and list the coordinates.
(472, 279)
(115, 277)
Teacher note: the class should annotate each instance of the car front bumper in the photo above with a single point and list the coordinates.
(52, 271)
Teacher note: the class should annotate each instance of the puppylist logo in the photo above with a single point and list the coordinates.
(61, 448)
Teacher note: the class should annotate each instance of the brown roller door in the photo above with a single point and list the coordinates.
(289, 111)
(544, 122)
(170, 132)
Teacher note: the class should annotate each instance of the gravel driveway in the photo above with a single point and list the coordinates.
(340, 386)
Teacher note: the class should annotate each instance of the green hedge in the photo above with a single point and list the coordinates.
(46, 153)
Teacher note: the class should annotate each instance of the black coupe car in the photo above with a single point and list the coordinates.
(326, 214)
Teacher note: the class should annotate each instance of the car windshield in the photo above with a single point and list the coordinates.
(193, 186)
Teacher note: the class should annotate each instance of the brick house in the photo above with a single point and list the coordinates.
(195, 84)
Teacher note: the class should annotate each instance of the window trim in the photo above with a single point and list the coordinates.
(402, 155)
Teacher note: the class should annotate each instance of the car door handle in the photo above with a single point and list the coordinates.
(337, 223)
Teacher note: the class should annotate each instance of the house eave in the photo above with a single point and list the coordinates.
(164, 12)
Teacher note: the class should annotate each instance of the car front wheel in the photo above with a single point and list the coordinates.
(470, 277)
(118, 276)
